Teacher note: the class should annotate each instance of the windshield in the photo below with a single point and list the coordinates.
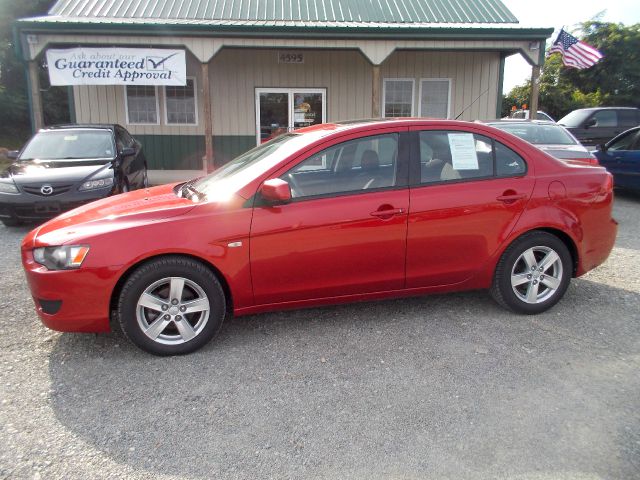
(250, 165)
(69, 145)
(538, 134)
(574, 119)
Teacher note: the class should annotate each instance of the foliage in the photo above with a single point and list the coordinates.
(14, 114)
(615, 80)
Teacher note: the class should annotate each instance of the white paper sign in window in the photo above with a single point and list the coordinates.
(463, 151)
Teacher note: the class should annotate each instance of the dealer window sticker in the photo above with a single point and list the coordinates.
(70, 138)
(463, 151)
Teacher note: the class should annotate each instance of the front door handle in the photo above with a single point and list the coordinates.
(510, 198)
(388, 213)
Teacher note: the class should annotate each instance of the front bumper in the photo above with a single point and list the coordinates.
(28, 206)
(71, 300)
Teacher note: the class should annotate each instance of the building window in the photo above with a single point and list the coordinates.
(434, 97)
(397, 97)
(142, 104)
(180, 104)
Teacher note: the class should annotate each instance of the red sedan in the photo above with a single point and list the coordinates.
(328, 214)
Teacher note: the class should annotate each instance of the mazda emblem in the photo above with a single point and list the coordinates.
(46, 189)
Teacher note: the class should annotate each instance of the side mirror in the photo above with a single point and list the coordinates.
(602, 147)
(276, 190)
(127, 152)
(590, 123)
(13, 154)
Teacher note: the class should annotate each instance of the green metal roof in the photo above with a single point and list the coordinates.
(385, 12)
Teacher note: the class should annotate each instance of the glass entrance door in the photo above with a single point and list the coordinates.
(279, 110)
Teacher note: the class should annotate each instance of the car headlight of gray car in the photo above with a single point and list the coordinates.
(97, 183)
(8, 187)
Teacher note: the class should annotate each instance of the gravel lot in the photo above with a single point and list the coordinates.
(435, 387)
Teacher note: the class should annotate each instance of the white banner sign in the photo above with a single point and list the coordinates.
(117, 66)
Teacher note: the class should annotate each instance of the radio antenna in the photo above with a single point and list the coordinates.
(471, 104)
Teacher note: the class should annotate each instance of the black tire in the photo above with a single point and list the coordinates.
(10, 222)
(517, 260)
(155, 279)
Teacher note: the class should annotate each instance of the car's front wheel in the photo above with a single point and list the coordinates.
(10, 221)
(533, 273)
(171, 306)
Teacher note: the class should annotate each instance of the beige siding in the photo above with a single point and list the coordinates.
(107, 104)
(474, 77)
(204, 48)
(236, 73)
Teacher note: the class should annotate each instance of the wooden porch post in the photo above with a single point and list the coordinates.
(207, 160)
(34, 95)
(375, 92)
(535, 91)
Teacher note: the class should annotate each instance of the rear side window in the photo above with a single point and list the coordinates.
(456, 156)
(508, 162)
(628, 118)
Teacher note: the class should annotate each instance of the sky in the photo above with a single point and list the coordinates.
(555, 14)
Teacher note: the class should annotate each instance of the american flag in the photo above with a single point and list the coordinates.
(575, 53)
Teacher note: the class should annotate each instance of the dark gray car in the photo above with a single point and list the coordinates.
(66, 166)
(594, 126)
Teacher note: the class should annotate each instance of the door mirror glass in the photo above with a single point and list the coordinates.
(276, 190)
(128, 151)
(12, 154)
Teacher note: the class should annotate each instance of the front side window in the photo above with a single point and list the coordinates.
(455, 156)
(361, 164)
(605, 118)
(398, 97)
(180, 103)
(434, 98)
(626, 142)
(142, 104)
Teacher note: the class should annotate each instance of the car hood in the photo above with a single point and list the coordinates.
(30, 171)
(140, 206)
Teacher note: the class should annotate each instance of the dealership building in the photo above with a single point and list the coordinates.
(199, 82)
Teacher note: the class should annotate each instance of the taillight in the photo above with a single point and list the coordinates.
(589, 160)
(608, 183)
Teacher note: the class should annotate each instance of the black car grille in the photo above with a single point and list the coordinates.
(37, 189)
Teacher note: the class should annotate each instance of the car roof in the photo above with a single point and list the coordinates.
(591, 109)
(518, 121)
(77, 126)
(364, 124)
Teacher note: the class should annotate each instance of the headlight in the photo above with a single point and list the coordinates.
(6, 187)
(64, 257)
(95, 184)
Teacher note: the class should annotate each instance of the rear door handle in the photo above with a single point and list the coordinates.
(388, 213)
(511, 197)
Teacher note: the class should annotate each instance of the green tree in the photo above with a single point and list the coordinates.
(617, 75)
(615, 80)
(14, 114)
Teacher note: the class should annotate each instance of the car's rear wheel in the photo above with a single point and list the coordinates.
(171, 306)
(533, 273)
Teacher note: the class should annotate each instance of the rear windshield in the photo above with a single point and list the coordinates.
(69, 145)
(538, 134)
(575, 118)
